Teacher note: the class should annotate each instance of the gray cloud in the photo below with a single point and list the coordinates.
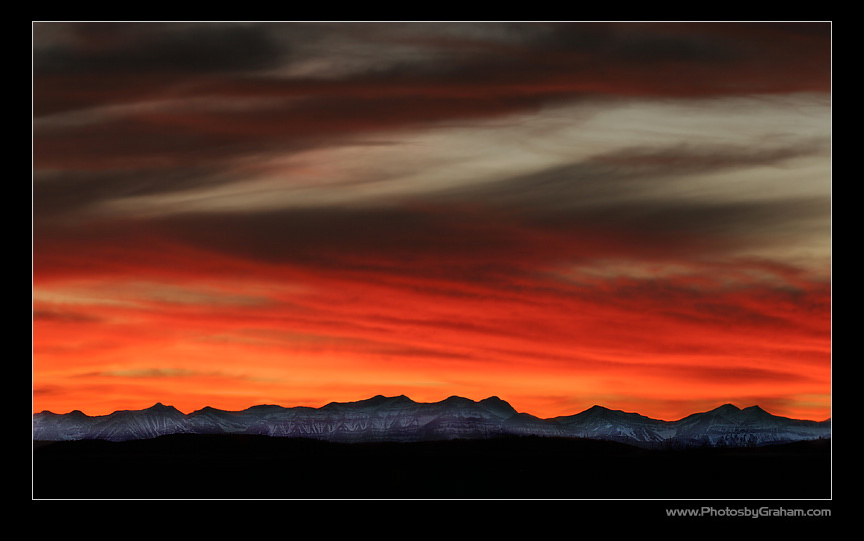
(181, 48)
(554, 60)
(618, 201)
(64, 193)
(630, 174)
(632, 196)
(448, 241)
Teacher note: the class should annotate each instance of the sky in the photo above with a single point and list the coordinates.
(633, 215)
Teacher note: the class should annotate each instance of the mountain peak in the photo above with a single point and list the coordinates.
(264, 408)
(159, 407)
(590, 413)
(498, 406)
(455, 399)
(493, 400)
(756, 411)
(205, 409)
(597, 409)
(380, 398)
(727, 408)
(375, 401)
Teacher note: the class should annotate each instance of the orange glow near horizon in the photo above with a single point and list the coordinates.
(232, 345)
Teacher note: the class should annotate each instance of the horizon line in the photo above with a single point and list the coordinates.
(160, 403)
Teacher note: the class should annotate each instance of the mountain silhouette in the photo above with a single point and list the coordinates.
(400, 419)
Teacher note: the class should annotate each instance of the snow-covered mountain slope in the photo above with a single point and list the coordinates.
(399, 418)
(388, 419)
(598, 422)
(728, 425)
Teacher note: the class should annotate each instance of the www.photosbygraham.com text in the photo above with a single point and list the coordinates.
(747, 512)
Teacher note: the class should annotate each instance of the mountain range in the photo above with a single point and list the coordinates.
(401, 419)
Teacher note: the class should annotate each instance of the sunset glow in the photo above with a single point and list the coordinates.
(559, 214)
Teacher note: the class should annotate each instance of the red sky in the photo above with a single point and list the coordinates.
(561, 215)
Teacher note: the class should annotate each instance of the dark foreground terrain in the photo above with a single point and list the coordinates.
(262, 467)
